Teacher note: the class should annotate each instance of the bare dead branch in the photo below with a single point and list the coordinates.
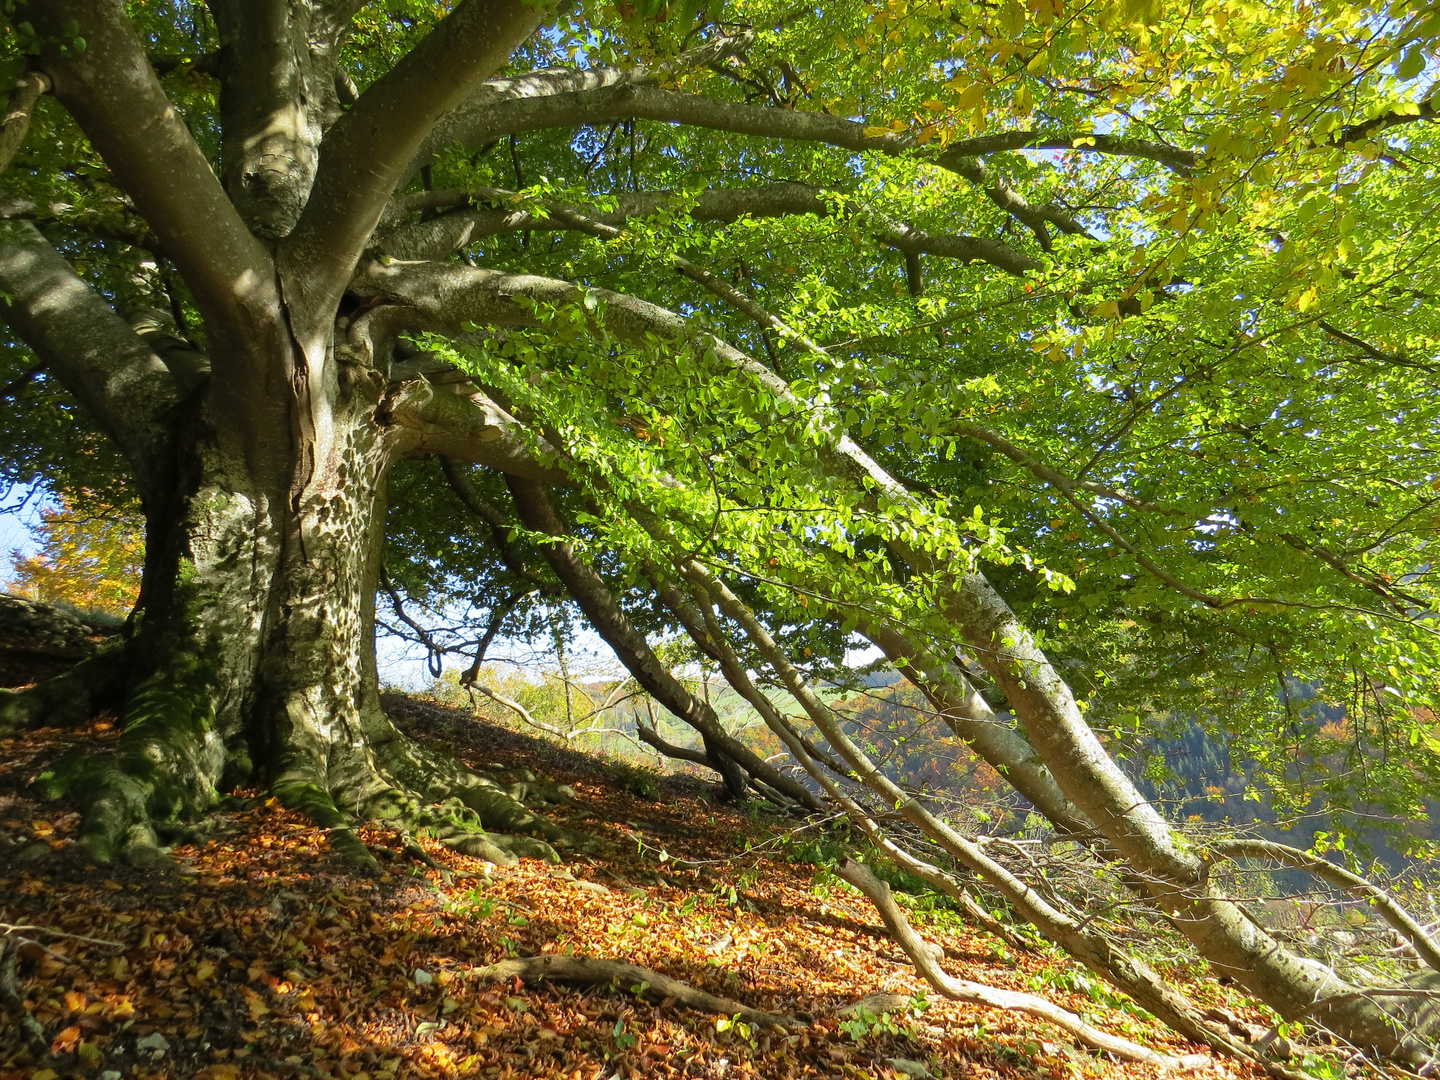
(638, 980)
(923, 956)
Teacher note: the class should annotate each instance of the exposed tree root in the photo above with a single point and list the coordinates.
(923, 956)
(90, 687)
(162, 773)
(166, 769)
(640, 980)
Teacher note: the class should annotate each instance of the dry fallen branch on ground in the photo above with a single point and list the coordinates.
(922, 955)
(584, 969)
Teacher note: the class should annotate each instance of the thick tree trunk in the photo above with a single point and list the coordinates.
(252, 657)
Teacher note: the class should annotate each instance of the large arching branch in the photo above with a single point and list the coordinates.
(446, 233)
(96, 355)
(115, 96)
(618, 99)
(446, 297)
(471, 428)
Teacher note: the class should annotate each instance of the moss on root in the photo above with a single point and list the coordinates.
(162, 773)
(90, 687)
(455, 825)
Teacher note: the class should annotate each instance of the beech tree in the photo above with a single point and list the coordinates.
(1020, 339)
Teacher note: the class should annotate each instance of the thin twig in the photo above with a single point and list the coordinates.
(15, 928)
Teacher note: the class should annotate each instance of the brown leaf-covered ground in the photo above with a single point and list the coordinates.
(259, 954)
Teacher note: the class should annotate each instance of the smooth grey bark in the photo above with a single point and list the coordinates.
(447, 233)
(252, 653)
(281, 473)
(277, 95)
(575, 98)
(990, 736)
(1094, 950)
(367, 152)
(109, 369)
(714, 645)
(116, 98)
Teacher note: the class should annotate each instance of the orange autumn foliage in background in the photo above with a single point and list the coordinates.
(91, 556)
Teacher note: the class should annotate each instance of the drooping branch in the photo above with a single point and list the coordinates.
(538, 513)
(1095, 951)
(367, 153)
(713, 644)
(922, 955)
(500, 529)
(967, 713)
(118, 378)
(1400, 920)
(440, 297)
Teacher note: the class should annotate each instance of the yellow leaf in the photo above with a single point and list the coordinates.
(934, 104)
(973, 96)
(872, 131)
(1012, 19)
(1108, 310)
(257, 1005)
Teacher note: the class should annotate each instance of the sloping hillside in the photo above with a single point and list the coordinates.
(257, 954)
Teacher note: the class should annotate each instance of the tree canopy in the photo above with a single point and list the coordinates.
(1081, 356)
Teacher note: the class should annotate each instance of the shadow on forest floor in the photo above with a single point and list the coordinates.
(258, 954)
